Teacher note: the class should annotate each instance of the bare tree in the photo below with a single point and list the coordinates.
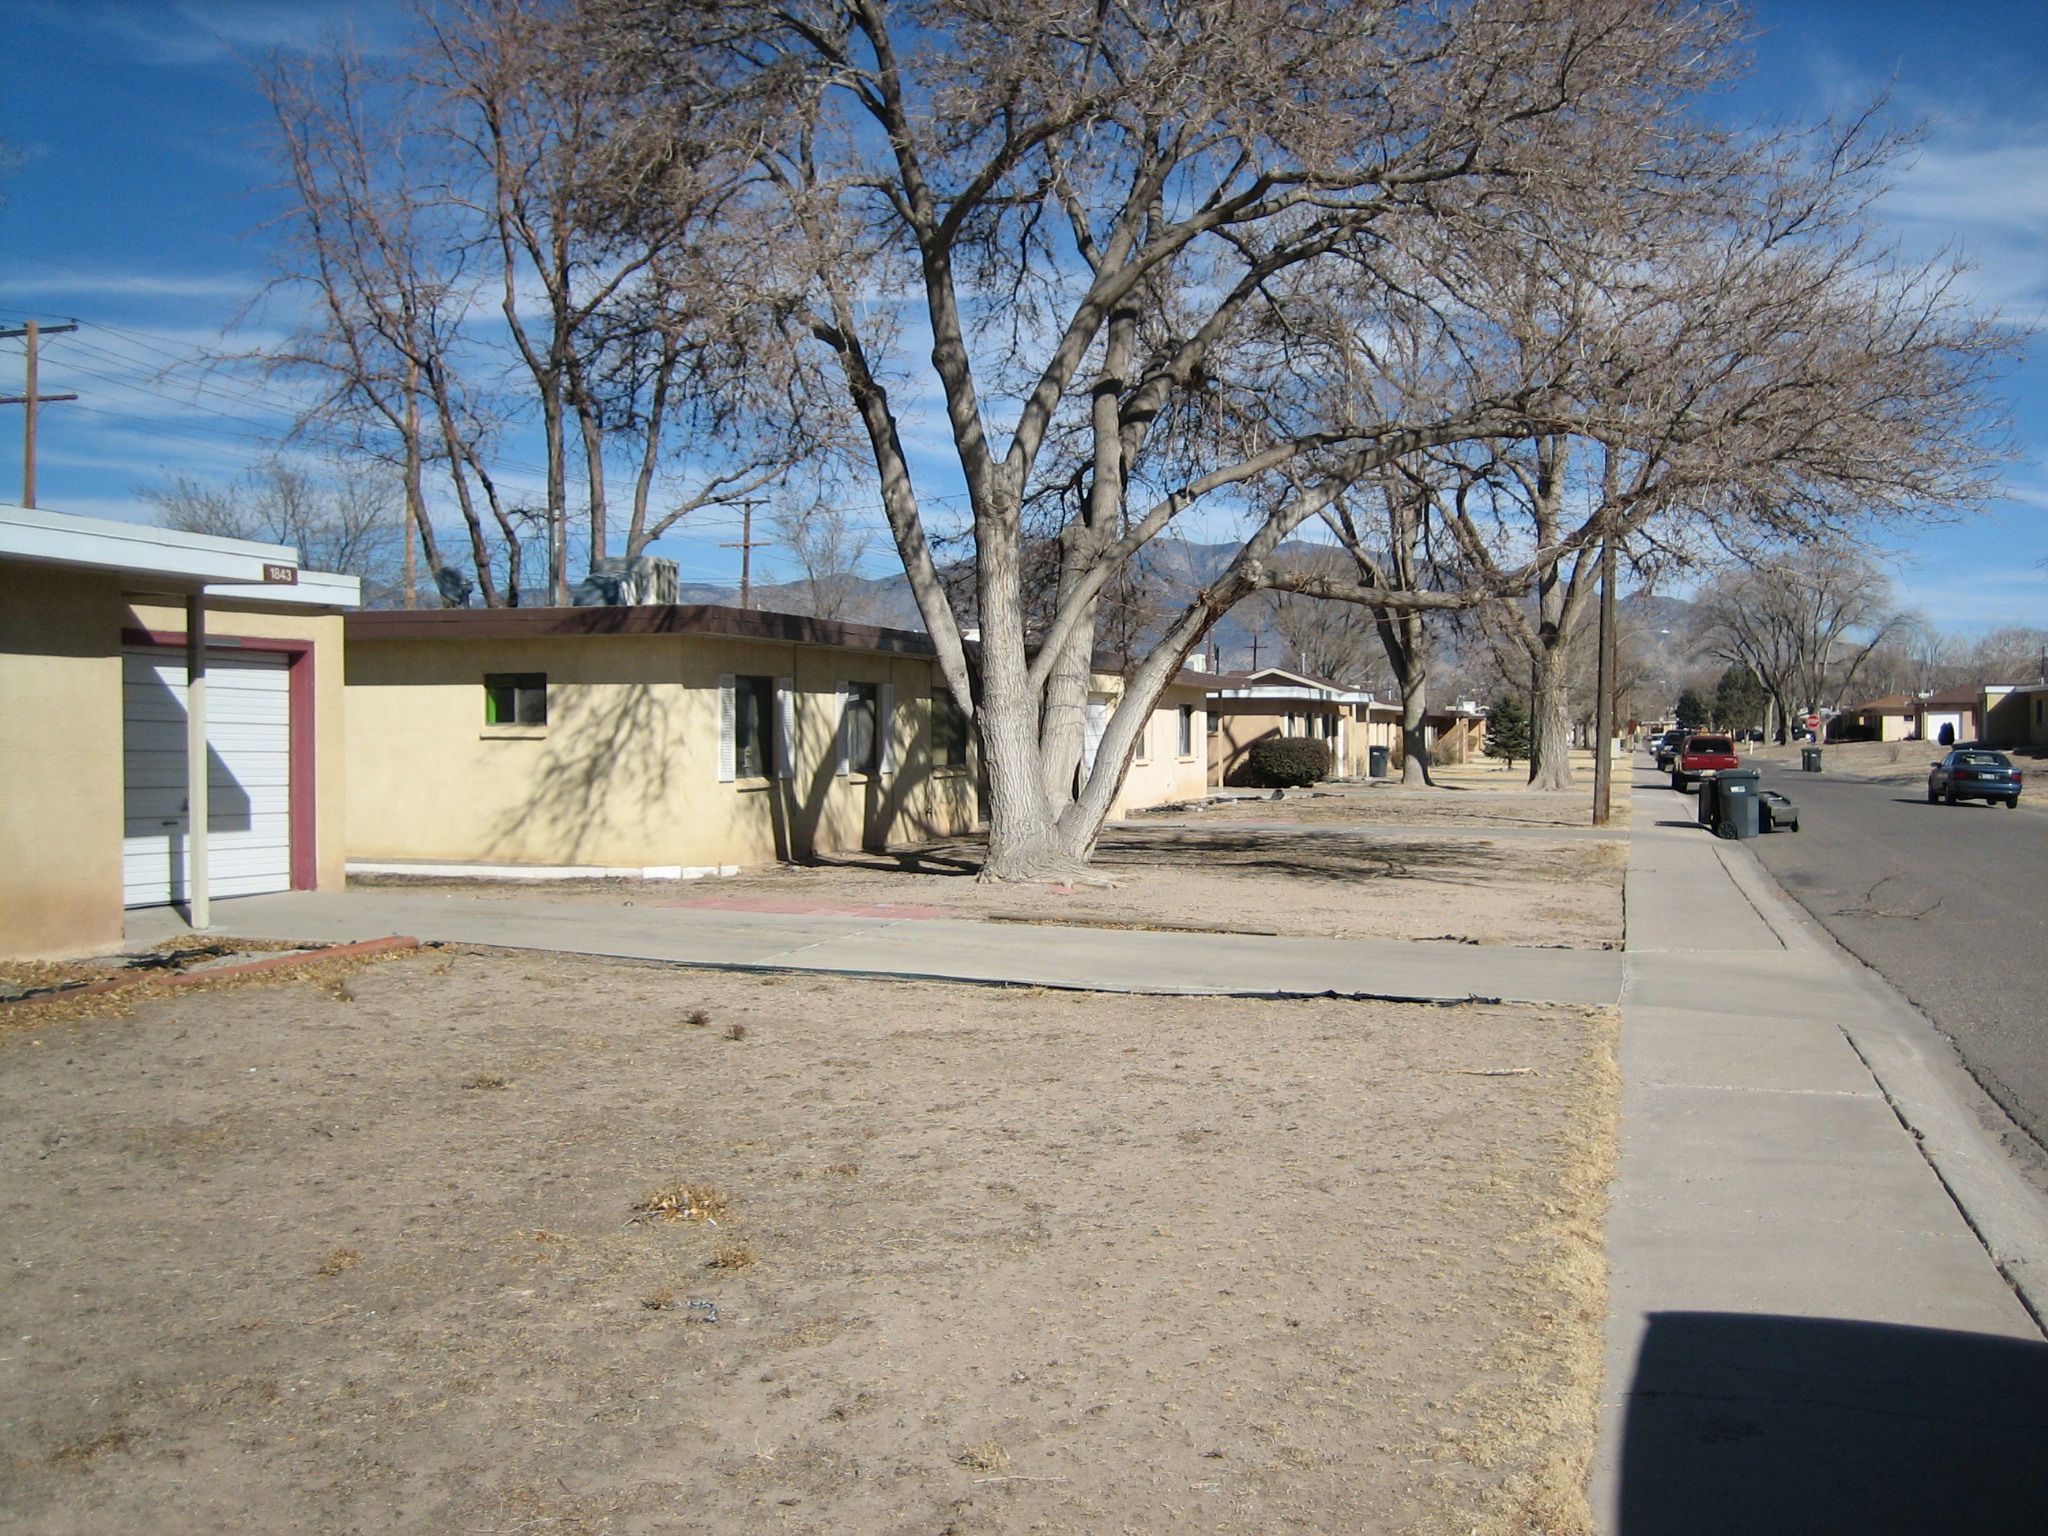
(1146, 259)
(828, 548)
(342, 516)
(1805, 623)
(456, 223)
(1330, 640)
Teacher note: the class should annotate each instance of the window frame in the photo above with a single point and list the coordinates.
(523, 691)
(759, 688)
(949, 727)
(1187, 730)
(860, 700)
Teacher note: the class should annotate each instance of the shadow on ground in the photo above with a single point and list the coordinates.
(1283, 851)
(1745, 1423)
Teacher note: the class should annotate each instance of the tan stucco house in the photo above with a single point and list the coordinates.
(658, 740)
(108, 746)
(1246, 707)
(1171, 763)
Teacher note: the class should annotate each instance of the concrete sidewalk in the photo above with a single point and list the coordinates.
(951, 949)
(1805, 1332)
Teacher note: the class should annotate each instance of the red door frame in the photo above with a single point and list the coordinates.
(298, 655)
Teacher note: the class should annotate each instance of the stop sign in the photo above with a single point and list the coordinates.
(1813, 722)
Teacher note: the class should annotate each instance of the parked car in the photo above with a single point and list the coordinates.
(1701, 757)
(1666, 748)
(1974, 773)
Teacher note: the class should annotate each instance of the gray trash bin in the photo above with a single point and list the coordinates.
(1809, 759)
(1376, 761)
(1736, 797)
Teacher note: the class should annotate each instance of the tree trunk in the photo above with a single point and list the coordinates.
(1415, 727)
(1550, 730)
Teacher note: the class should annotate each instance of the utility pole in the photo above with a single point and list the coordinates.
(746, 546)
(1603, 714)
(30, 398)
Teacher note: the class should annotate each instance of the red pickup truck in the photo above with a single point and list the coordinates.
(1701, 758)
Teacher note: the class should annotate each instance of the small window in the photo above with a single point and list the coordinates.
(949, 731)
(862, 739)
(1187, 730)
(753, 701)
(1144, 752)
(1215, 722)
(515, 698)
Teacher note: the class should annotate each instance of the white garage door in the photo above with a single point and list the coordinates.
(248, 732)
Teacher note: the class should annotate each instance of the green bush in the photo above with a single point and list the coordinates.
(1288, 762)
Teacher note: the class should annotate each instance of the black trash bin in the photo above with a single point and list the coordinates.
(1376, 762)
(1809, 759)
(1705, 809)
(1736, 797)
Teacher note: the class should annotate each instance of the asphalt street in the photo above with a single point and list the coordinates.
(1948, 903)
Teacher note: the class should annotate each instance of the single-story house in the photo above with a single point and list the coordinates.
(146, 674)
(1961, 711)
(1894, 717)
(661, 740)
(1171, 763)
(1247, 707)
(2018, 717)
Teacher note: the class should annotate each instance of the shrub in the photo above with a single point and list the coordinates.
(1287, 762)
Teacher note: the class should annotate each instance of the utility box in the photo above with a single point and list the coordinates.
(1736, 798)
(1376, 761)
(1809, 759)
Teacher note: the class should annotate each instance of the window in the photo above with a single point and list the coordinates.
(753, 700)
(949, 731)
(859, 738)
(1187, 730)
(515, 698)
(1144, 752)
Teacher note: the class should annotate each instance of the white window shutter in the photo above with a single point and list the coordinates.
(728, 731)
(885, 726)
(844, 743)
(785, 728)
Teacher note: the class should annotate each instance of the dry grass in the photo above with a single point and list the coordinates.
(339, 1262)
(732, 1256)
(984, 1456)
(685, 1202)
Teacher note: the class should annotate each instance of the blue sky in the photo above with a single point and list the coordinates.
(142, 203)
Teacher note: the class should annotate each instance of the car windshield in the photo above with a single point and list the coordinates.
(1712, 744)
(1982, 760)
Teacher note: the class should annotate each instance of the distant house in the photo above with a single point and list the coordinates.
(1961, 711)
(1894, 717)
(108, 746)
(1249, 707)
(659, 740)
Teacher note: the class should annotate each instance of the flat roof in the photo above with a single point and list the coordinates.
(168, 560)
(635, 619)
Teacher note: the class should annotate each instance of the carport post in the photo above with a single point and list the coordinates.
(197, 903)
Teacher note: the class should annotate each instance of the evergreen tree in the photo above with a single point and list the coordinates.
(1740, 702)
(1692, 711)
(1507, 728)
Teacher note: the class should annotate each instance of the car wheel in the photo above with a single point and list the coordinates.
(2013, 804)
(1933, 795)
(1952, 800)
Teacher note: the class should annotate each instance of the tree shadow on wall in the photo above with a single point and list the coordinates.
(610, 754)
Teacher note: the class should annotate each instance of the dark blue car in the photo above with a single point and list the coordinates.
(1974, 773)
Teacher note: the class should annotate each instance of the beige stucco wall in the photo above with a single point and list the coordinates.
(60, 762)
(625, 773)
(1160, 774)
(1239, 723)
(323, 631)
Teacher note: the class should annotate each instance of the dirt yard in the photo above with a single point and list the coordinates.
(1345, 863)
(478, 1242)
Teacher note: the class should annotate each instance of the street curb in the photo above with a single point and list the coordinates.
(361, 949)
